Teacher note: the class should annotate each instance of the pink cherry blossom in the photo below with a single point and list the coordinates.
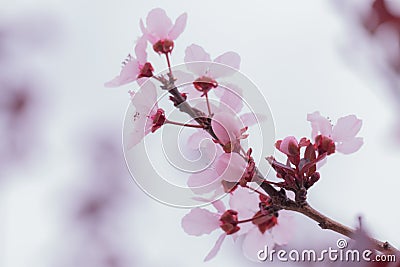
(199, 62)
(146, 108)
(160, 31)
(280, 234)
(231, 97)
(228, 167)
(343, 133)
(227, 127)
(195, 53)
(207, 180)
(201, 221)
(133, 68)
(246, 202)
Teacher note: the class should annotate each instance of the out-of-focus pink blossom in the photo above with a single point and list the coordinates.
(133, 68)
(160, 31)
(146, 118)
(269, 231)
(200, 221)
(343, 133)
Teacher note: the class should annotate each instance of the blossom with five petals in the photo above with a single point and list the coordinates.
(343, 134)
(265, 231)
(160, 31)
(201, 221)
(206, 70)
(147, 116)
(133, 68)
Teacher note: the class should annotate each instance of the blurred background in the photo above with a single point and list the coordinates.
(66, 197)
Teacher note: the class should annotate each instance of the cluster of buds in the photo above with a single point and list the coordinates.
(300, 171)
(264, 219)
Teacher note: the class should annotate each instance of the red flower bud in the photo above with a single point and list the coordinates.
(324, 145)
(205, 84)
(163, 46)
(229, 221)
(146, 70)
(158, 120)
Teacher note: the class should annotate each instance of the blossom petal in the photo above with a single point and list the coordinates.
(250, 119)
(204, 182)
(319, 124)
(230, 59)
(231, 98)
(158, 23)
(216, 248)
(255, 241)
(146, 98)
(129, 73)
(219, 206)
(230, 167)
(230, 64)
(145, 103)
(195, 140)
(140, 50)
(183, 78)
(350, 146)
(346, 128)
(179, 26)
(226, 127)
(138, 133)
(284, 230)
(245, 202)
(200, 221)
(195, 53)
(152, 39)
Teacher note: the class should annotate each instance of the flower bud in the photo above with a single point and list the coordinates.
(158, 120)
(163, 46)
(229, 221)
(146, 70)
(205, 84)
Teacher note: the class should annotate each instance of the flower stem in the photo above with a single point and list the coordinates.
(184, 124)
(157, 78)
(254, 218)
(208, 104)
(255, 190)
(169, 64)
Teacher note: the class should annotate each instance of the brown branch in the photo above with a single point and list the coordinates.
(327, 223)
(323, 221)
